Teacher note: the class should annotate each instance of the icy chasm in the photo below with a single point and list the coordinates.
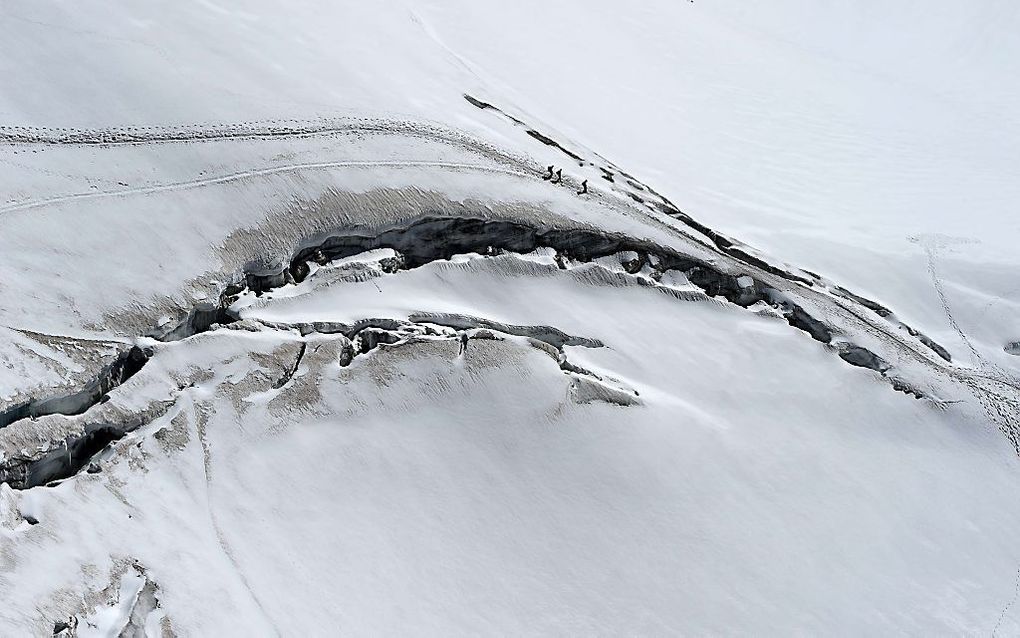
(297, 341)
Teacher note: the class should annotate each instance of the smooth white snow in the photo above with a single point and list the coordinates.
(755, 484)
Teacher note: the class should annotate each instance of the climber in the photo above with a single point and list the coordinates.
(463, 342)
(584, 188)
(559, 176)
(550, 169)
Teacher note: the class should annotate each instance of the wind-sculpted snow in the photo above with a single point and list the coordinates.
(290, 416)
(645, 195)
(123, 367)
(298, 334)
(414, 246)
(418, 244)
(82, 440)
(433, 238)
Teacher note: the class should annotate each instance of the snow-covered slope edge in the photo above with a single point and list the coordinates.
(296, 340)
(296, 335)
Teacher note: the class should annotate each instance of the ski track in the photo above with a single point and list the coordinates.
(251, 173)
(1009, 605)
(220, 536)
(985, 369)
(241, 131)
(198, 132)
(256, 130)
(931, 251)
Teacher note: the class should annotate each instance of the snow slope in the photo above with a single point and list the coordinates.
(756, 380)
(872, 142)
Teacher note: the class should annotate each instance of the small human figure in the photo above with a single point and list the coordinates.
(584, 188)
(463, 342)
(559, 176)
(550, 169)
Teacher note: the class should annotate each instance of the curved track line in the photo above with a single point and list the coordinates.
(261, 172)
(132, 135)
(1009, 605)
(221, 539)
